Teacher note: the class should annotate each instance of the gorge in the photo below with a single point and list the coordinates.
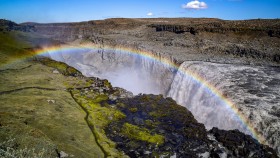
(226, 74)
(141, 74)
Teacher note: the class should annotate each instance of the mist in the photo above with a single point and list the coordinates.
(138, 74)
(121, 69)
(133, 80)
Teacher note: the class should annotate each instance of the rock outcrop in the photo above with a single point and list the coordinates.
(239, 145)
(248, 27)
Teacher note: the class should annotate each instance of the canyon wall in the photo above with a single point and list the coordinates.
(248, 41)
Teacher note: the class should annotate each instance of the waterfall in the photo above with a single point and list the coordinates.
(132, 72)
(254, 90)
(206, 107)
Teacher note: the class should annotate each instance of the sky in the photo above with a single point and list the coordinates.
(46, 11)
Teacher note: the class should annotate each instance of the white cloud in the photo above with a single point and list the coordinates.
(195, 5)
(150, 14)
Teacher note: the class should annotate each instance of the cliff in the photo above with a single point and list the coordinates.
(248, 41)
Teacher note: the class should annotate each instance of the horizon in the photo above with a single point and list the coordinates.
(64, 11)
(136, 18)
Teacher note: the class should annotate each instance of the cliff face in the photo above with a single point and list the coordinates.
(248, 27)
(71, 31)
(249, 41)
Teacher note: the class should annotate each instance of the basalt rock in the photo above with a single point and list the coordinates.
(241, 145)
(170, 125)
(247, 27)
(157, 126)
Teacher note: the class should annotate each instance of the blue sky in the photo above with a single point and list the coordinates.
(82, 10)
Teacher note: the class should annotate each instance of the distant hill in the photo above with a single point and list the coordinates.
(6, 25)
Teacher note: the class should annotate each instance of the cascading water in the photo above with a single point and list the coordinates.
(132, 72)
(206, 107)
(255, 90)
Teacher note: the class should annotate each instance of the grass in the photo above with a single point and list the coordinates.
(27, 115)
(9, 149)
(14, 45)
(60, 66)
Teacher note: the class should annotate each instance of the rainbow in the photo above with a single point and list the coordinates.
(168, 62)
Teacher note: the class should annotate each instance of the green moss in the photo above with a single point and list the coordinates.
(119, 115)
(98, 119)
(151, 123)
(100, 98)
(133, 110)
(157, 114)
(61, 67)
(121, 105)
(70, 71)
(73, 82)
(67, 84)
(142, 134)
(107, 83)
(89, 82)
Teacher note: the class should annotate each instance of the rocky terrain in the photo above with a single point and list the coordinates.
(70, 115)
(252, 41)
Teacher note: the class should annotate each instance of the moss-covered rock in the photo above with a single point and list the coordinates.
(142, 134)
(98, 117)
(156, 126)
(60, 66)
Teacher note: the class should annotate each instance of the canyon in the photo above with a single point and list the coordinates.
(253, 89)
(238, 58)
